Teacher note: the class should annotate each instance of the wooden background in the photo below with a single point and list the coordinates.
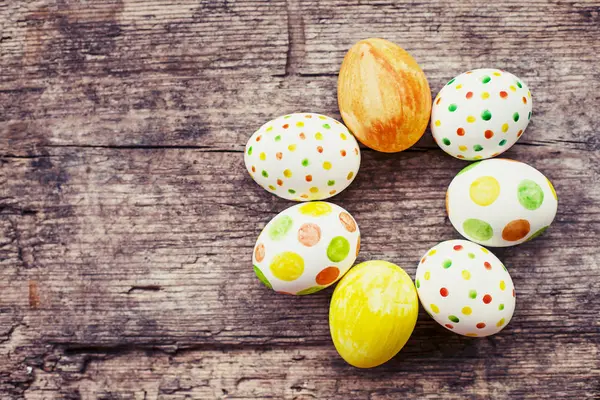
(127, 219)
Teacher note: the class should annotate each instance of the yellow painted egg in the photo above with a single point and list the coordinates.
(372, 314)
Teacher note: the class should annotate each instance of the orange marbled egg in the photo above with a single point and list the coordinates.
(383, 95)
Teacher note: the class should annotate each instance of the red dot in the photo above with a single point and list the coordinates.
(487, 299)
(513, 292)
(489, 134)
(487, 266)
(319, 149)
(258, 138)
(480, 325)
(458, 247)
(524, 100)
(460, 156)
(286, 126)
(460, 132)
(503, 94)
(469, 95)
(308, 178)
(449, 326)
(279, 182)
(444, 292)
(343, 153)
(520, 133)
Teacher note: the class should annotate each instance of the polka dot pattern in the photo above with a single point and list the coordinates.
(500, 202)
(470, 307)
(298, 155)
(480, 114)
(306, 248)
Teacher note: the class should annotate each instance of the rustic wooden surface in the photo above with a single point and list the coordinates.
(127, 219)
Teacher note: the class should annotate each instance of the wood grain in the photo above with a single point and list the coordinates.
(127, 219)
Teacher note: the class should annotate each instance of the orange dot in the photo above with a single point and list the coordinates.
(460, 156)
(309, 234)
(279, 182)
(356, 150)
(423, 260)
(253, 169)
(343, 153)
(278, 155)
(480, 325)
(503, 94)
(304, 196)
(308, 178)
(327, 276)
(469, 95)
(489, 134)
(259, 252)
(308, 116)
(357, 245)
(302, 135)
(516, 230)
(350, 175)
(460, 132)
(520, 133)
(258, 138)
(286, 126)
(282, 292)
(319, 149)
(495, 154)
(348, 222)
(447, 205)
(524, 100)
(332, 192)
(438, 100)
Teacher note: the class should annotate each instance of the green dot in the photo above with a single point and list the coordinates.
(477, 147)
(468, 167)
(471, 255)
(277, 138)
(305, 162)
(530, 194)
(486, 115)
(338, 249)
(538, 233)
(451, 81)
(529, 116)
(250, 151)
(516, 116)
(280, 227)
(446, 141)
(330, 183)
(452, 107)
(519, 84)
(326, 126)
(502, 142)
(264, 173)
(287, 116)
(453, 318)
(447, 263)
(418, 284)
(473, 294)
(310, 290)
(478, 229)
(501, 307)
(291, 191)
(503, 267)
(262, 278)
(486, 79)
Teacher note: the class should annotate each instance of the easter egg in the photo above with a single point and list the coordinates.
(306, 248)
(303, 157)
(480, 113)
(372, 313)
(465, 288)
(500, 202)
(383, 95)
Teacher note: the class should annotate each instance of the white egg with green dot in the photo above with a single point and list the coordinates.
(465, 288)
(480, 114)
(500, 202)
(306, 248)
(303, 157)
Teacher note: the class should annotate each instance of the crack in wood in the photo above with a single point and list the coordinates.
(145, 288)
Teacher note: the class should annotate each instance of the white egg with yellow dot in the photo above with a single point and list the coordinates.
(303, 157)
(481, 113)
(465, 288)
(306, 248)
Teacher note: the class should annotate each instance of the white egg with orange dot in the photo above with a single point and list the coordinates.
(303, 157)
(480, 113)
(500, 202)
(465, 288)
(306, 248)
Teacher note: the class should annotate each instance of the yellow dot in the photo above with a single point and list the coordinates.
(486, 251)
(434, 308)
(485, 95)
(462, 148)
(427, 275)
(287, 173)
(315, 209)
(432, 252)
(471, 334)
(484, 190)
(292, 147)
(467, 310)
(500, 323)
(458, 87)
(319, 136)
(343, 136)
(502, 285)
(287, 266)
(505, 127)
(514, 89)
(528, 94)
(466, 275)
(552, 189)
(314, 189)
(350, 175)
(321, 117)
(326, 165)
(263, 156)
(299, 124)
(470, 119)
(477, 158)
(497, 73)
(437, 122)
(271, 187)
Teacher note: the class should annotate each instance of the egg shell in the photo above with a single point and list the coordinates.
(306, 248)
(372, 314)
(303, 156)
(500, 202)
(480, 113)
(383, 95)
(465, 288)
